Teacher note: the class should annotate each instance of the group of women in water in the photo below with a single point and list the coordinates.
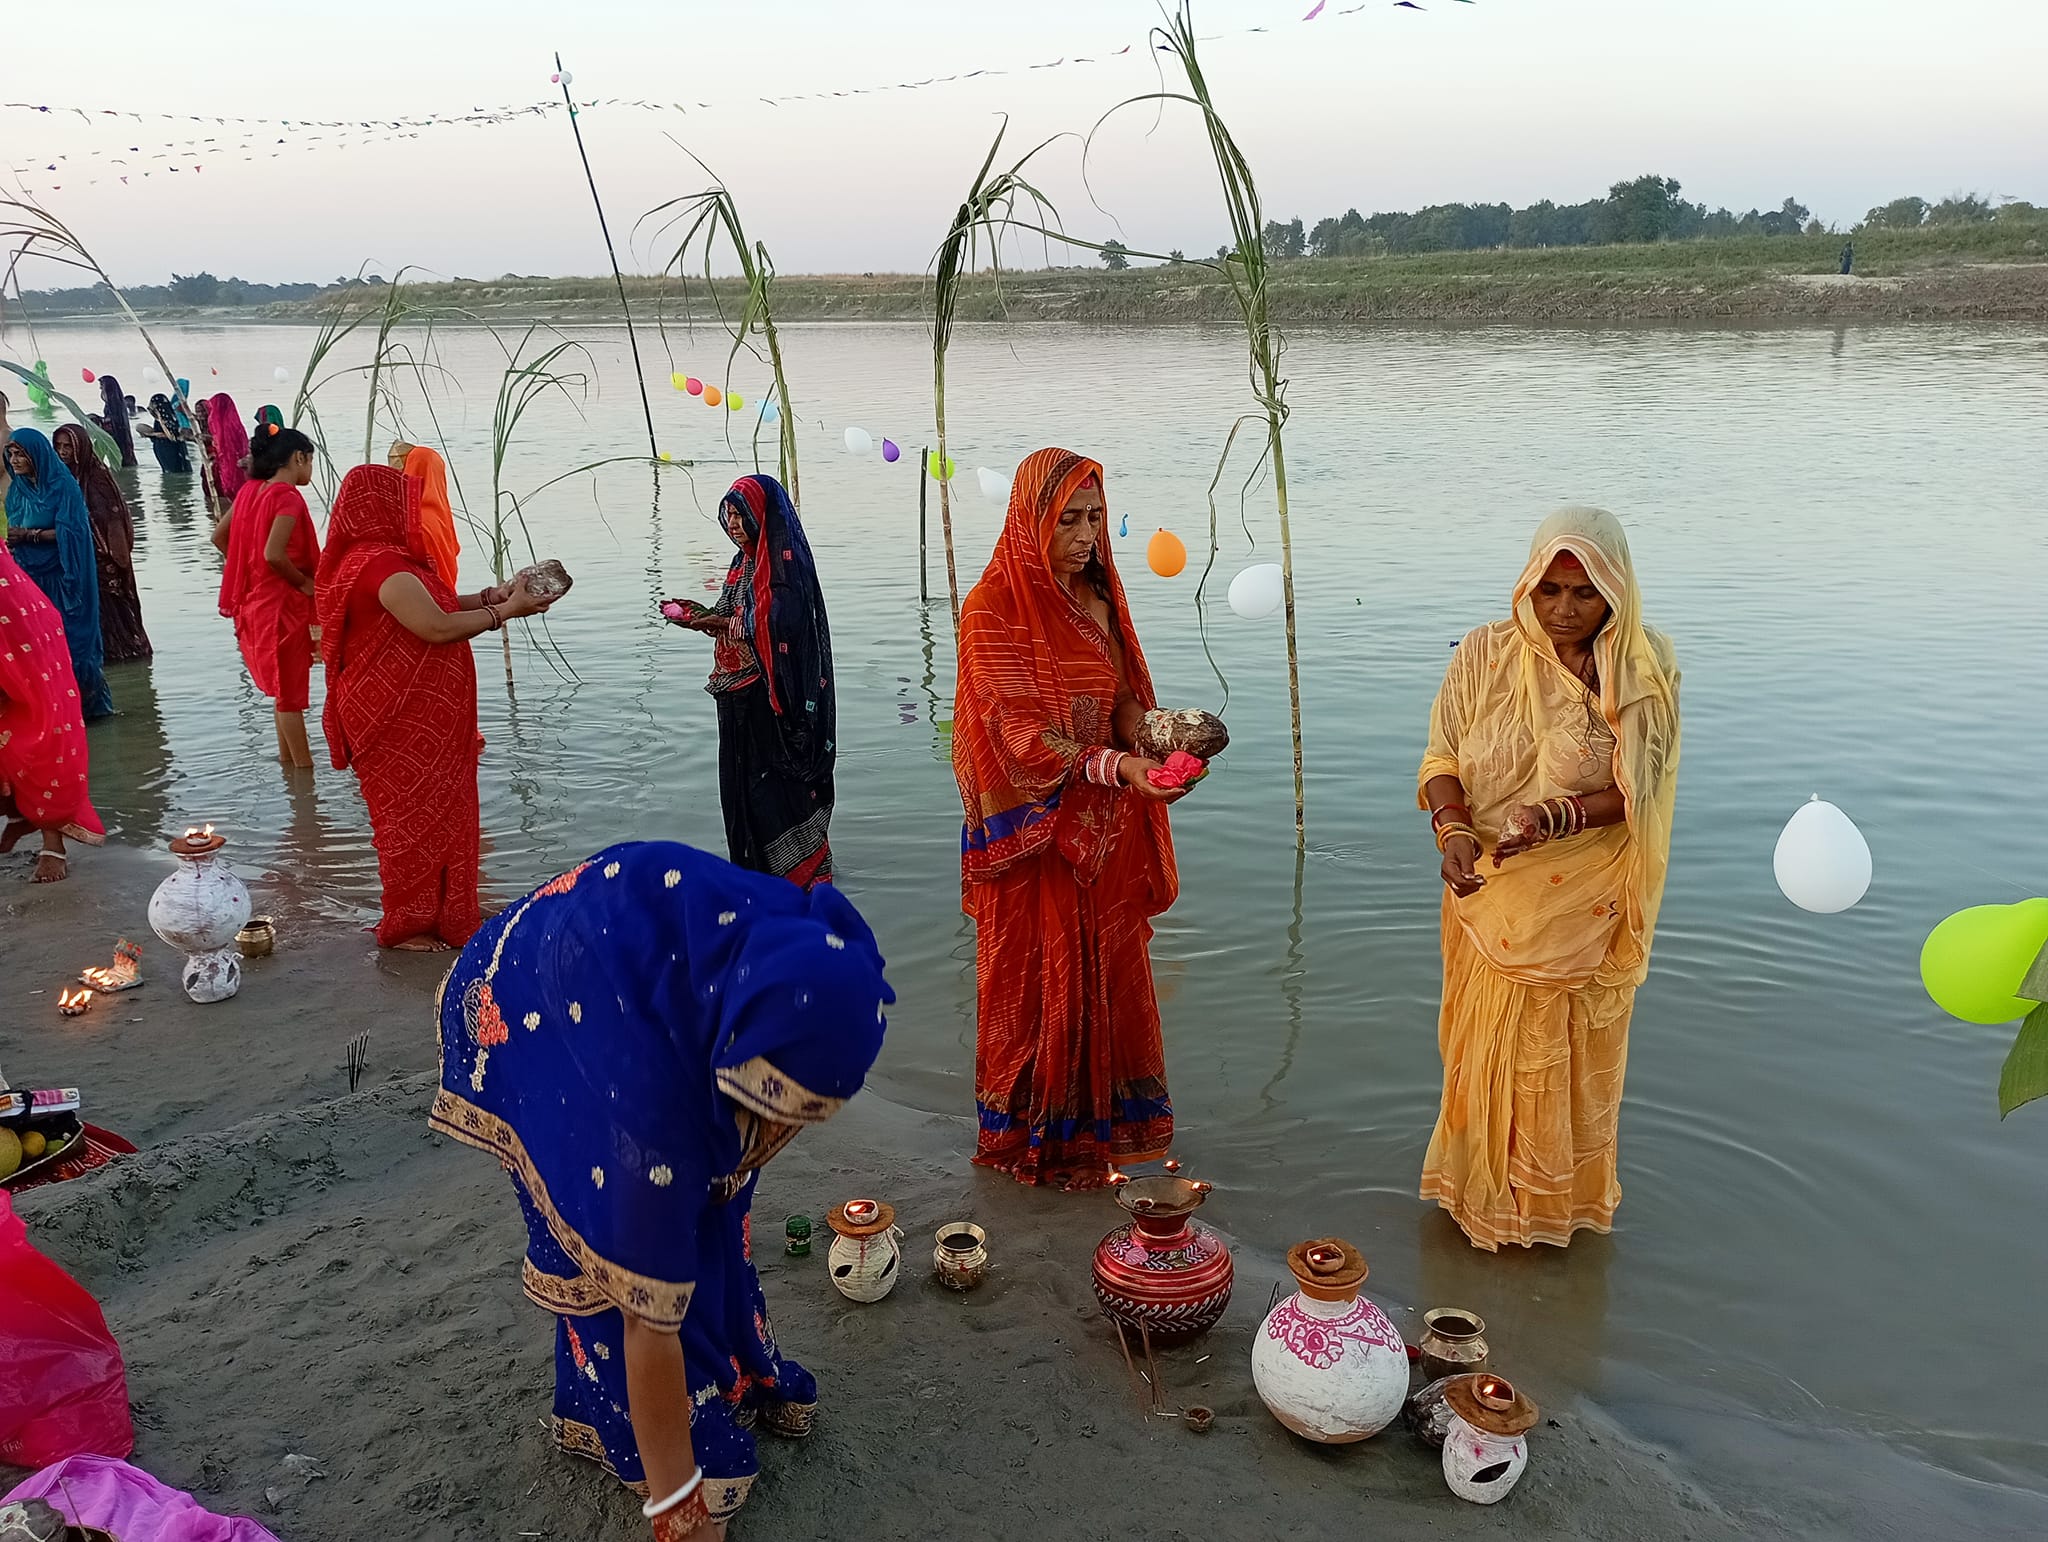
(680, 1018)
(680, 1021)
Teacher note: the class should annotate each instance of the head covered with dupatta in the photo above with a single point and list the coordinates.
(1029, 652)
(1638, 673)
(635, 1038)
(115, 401)
(230, 443)
(783, 615)
(376, 511)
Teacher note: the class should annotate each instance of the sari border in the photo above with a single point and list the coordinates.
(658, 1303)
(761, 1089)
(563, 1296)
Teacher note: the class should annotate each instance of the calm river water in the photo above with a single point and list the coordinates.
(1843, 531)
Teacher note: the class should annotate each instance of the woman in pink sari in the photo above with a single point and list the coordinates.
(230, 447)
(42, 735)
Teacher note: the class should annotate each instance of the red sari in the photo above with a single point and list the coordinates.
(273, 621)
(401, 711)
(1061, 875)
(42, 735)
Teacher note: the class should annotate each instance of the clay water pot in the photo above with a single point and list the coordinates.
(198, 910)
(1486, 1449)
(961, 1258)
(866, 1257)
(1161, 1271)
(1327, 1363)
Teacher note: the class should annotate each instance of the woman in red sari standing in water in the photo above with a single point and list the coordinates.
(1066, 855)
(266, 588)
(42, 735)
(401, 702)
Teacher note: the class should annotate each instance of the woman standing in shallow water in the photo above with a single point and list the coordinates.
(1066, 855)
(1554, 741)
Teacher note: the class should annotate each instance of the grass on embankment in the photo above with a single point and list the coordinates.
(1996, 271)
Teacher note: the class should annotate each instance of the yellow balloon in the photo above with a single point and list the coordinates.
(1167, 553)
(680, 381)
(942, 473)
(1973, 962)
(735, 401)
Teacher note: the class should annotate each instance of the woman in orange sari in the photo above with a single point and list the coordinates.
(401, 703)
(1554, 741)
(1066, 855)
(437, 515)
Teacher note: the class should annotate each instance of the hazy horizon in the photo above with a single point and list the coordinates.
(1843, 104)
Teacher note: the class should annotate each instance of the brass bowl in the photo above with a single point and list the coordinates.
(258, 938)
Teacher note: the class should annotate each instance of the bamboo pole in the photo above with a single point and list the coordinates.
(618, 278)
(924, 482)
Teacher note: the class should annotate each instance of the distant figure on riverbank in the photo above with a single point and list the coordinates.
(266, 584)
(1848, 255)
(1554, 740)
(50, 535)
(113, 544)
(43, 762)
(633, 1041)
(401, 703)
(1067, 854)
(772, 678)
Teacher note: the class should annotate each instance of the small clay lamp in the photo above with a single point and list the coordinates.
(1491, 1405)
(861, 1218)
(1328, 1269)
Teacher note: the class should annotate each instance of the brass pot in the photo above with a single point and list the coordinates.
(258, 938)
(1453, 1342)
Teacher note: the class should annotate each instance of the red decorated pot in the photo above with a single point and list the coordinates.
(1161, 1270)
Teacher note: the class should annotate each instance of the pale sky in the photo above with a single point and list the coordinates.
(1843, 103)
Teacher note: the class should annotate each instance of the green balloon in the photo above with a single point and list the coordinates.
(1974, 961)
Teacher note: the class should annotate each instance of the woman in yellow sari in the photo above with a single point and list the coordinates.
(1550, 777)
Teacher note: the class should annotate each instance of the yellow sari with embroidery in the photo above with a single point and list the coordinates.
(1541, 965)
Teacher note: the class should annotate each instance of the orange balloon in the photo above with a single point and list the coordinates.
(713, 396)
(1167, 553)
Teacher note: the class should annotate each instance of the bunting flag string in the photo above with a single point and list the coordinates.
(355, 132)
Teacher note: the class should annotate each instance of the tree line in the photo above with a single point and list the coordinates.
(1642, 210)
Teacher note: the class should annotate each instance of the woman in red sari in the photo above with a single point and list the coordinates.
(1066, 855)
(42, 735)
(266, 586)
(401, 702)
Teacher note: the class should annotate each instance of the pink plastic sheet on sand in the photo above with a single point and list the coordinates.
(99, 1491)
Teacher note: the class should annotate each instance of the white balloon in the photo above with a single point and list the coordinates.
(1822, 860)
(994, 485)
(1257, 591)
(859, 441)
(568, 79)
(280, 374)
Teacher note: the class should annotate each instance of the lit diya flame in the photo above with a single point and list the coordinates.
(71, 1003)
(861, 1211)
(1492, 1392)
(1172, 1164)
(1325, 1258)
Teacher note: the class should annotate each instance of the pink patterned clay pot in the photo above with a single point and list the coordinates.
(1162, 1271)
(1327, 1362)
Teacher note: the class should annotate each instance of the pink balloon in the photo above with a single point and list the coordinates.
(694, 386)
(86, 375)
(889, 450)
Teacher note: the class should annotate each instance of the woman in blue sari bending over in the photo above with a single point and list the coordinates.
(49, 533)
(633, 1041)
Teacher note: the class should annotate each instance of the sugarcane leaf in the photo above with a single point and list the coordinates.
(2025, 1076)
(102, 442)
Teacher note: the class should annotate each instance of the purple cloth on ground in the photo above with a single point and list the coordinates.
(125, 1500)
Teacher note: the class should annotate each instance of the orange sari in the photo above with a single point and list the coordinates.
(437, 518)
(1061, 875)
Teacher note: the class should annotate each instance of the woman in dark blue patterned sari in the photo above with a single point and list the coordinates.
(633, 1041)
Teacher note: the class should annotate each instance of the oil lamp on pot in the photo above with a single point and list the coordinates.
(1163, 1272)
(1327, 1362)
(1486, 1449)
(866, 1253)
(198, 910)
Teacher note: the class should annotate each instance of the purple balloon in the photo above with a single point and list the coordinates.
(889, 450)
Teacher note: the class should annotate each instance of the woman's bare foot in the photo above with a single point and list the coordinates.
(51, 867)
(11, 836)
(421, 944)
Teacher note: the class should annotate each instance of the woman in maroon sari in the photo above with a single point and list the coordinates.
(401, 702)
(113, 546)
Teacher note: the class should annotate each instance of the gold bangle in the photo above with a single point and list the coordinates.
(1444, 836)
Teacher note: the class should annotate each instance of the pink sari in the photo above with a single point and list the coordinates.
(42, 733)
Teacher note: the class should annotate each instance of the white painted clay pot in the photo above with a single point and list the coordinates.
(198, 910)
(1486, 1447)
(866, 1255)
(1327, 1362)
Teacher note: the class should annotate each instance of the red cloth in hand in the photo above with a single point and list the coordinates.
(1181, 770)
